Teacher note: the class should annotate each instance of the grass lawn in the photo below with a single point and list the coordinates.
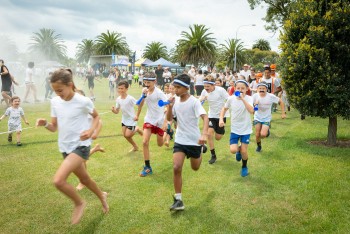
(293, 186)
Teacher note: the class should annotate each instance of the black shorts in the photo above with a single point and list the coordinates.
(214, 123)
(132, 128)
(191, 151)
(91, 85)
(82, 151)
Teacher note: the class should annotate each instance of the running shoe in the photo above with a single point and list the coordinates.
(244, 171)
(177, 205)
(146, 171)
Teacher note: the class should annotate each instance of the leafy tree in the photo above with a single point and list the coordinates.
(84, 50)
(111, 42)
(257, 56)
(48, 45)
(227, 53)
(8, 48)
(315, 58)
(197, 46)
(262, 44)
(277, 11)
(155, 51)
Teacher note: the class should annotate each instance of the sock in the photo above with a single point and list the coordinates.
(244, 163)
(213, 153)
(259, 143)
(178, 196)
(147, 163)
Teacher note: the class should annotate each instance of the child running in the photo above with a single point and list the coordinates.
(263, 102)
(216, 96)
(154, 119)
(241, 126)
(15, 113)
(69, 115)
(189, 142)
(126, 104)
(169, 93)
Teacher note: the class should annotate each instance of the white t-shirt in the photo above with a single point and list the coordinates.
(155, 114)
(187, 114)
(129, 76)
(192, 74)
(269, 82)
(241, 123)
(29, 75)
(253, 86)
(72, 120)
(264, 106)
(14, 121)
(246, 74)
(127, 107)
(216, 100)
(199, 79)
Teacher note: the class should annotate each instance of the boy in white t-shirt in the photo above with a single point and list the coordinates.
(188, 139)
(154, 119)
(216, 97)
(126, 104)
(241, 126)
(263, 102)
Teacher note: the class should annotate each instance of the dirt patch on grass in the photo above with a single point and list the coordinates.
(340, 143)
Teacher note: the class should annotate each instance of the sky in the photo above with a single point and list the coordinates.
(139, 21)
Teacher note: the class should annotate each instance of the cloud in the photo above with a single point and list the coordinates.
(140, 22)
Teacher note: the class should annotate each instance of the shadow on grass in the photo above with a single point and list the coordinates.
(92, 227)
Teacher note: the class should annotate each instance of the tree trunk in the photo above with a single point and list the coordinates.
(332, 131)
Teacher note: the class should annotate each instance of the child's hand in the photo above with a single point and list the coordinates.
(94, 136)
(26, 122)
(283, 116)
(145, 90)
(136, 118)
(85, 135)
(203, 139)
(221, 123)
(40, 122)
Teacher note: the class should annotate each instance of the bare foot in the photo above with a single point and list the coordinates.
(80, 186)
(139, 131)
(105, 206)
(134, 149)
(78, 212)
(98, 148)
(166, 144)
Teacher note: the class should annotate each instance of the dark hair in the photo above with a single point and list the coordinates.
(1, 60)
(31, 64)
(63, 76)
(184, 78)
(200, 72)
(125, 83)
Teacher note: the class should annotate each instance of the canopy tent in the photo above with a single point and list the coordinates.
(163, 62)
(122, 62)
(142, 62)
(146, 62)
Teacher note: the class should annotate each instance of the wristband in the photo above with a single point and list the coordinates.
(47, 124)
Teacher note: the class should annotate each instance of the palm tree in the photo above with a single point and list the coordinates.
(111, 42)
(155, 50)
(84, 50)
(262, 44)
(48, 44)
(197, 46)
(228, 52)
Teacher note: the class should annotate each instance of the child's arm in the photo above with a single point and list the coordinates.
(97, 130)
(204, 137)
(13, 80)
(283, 115)
(2, 117)
(25, 120)
(88, 133)
(52, 127)
(222, 114)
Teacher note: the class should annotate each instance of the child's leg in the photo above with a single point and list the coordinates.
(71, 163)
(244, 151)
(234, 148)
(196, 163)
(258, 128)
(178, 161)
(145, 143)
(264, 131)
(85, 179)
(96, 149)
(18, 136)
(160, 140)
(128, 134)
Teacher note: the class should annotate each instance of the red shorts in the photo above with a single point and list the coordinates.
(154, 129)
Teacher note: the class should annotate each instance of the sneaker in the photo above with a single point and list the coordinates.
(244, 171)
(204, 149)
(9, 138)
(258, 149)
(238, 156)
(212, 160)
(178, 205)
(146, 171)
(19, 144)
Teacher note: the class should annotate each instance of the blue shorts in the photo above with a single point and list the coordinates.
(234, 139)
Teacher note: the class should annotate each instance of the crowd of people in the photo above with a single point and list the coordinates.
(174, 107)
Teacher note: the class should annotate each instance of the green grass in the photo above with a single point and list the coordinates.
(293, 186)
